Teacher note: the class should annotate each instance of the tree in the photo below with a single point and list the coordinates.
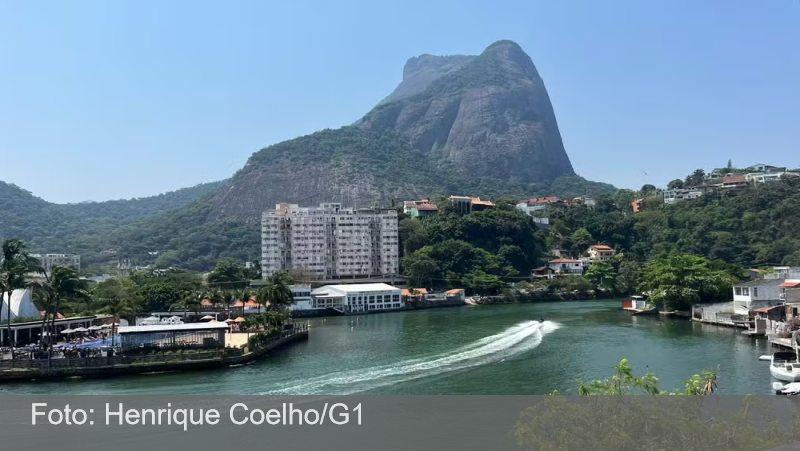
(227, 274)
(189, 301)
(677, 282)
(419, 268)
(601, 274)
(696, 178)
(581, 240)
(61, 286)
(117, 298)
(15, 265)
(675, 184)
(628, 276)
(647, 189)
(276, 293)
(482, 283)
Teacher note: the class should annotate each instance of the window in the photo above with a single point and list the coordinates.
(738, 291)
(755, 292)
(745, 291)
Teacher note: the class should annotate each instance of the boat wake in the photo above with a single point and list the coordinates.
(513, 341)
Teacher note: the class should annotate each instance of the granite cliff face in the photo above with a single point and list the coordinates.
(490, 116)
(480, 125)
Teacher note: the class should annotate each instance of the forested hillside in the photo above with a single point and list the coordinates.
(755, 226)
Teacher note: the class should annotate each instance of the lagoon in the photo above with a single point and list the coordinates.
(500, 349)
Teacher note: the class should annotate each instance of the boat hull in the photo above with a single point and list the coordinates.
(785, 375)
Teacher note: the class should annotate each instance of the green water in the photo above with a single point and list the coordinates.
(468, 350)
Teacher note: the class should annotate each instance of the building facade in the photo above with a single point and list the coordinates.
(464, 204)
(676, 195)
(365, 297)
(600, 252)
(50, 261)
(566, 266)
(329, 241)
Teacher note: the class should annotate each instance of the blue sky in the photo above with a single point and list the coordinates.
(115, 99)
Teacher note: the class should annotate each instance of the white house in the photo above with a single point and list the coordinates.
(362, 297)
(676, 195)
(756, 294)
(566, 266)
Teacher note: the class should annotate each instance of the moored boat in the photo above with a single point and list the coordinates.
(785, 367)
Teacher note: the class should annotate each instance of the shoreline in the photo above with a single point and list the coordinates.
(93, 370)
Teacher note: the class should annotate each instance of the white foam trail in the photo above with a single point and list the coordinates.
(512, 341)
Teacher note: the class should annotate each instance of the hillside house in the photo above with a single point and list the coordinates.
(600, 252)
(420, 208)
(544, 272)
(464, 204)
(676, 195)
(537, 204)
(756, 294)
(566, 266)
(735, 182)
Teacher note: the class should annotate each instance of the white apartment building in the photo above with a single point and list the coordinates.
(329, 241)
(50, 261)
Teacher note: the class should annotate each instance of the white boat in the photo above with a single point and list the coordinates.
(792, 388)
(785, 367)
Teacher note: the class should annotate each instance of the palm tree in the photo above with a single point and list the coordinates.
(215, 296)
(228, 299)
(244, 295)
(190, 300)
(16, 263)
(118, 299)
(278, 291)
(118, 308)
(62, 285)
(262, 298)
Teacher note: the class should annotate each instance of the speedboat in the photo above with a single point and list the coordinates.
(792, 388)
(785, 367)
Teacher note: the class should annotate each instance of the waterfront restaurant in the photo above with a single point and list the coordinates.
(173, 336)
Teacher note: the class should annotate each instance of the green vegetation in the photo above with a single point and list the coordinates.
(654, 423)
(625, 383)
(677, 282)
(15, 265)
(476, 250)
(750, 227)
(81, 228)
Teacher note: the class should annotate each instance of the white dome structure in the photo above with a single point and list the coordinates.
(21, 305)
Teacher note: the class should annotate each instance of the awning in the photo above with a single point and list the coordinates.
(789, 284)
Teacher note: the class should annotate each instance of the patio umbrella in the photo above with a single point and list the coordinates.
(81, 329)
(106, 326)
(239, 320)
(229, 320)
(67, 331)
(207, 318)
(95, 328)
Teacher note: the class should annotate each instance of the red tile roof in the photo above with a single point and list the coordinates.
(427, 207)
(407, 292)
(454, 291)
(543, 200)
(601, 247)
(564, 260)
(735, 179)
(543, 268)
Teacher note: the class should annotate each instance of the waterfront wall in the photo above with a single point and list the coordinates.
(419, 305)
(102, 367)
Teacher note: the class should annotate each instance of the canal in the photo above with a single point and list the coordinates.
(468, 350)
